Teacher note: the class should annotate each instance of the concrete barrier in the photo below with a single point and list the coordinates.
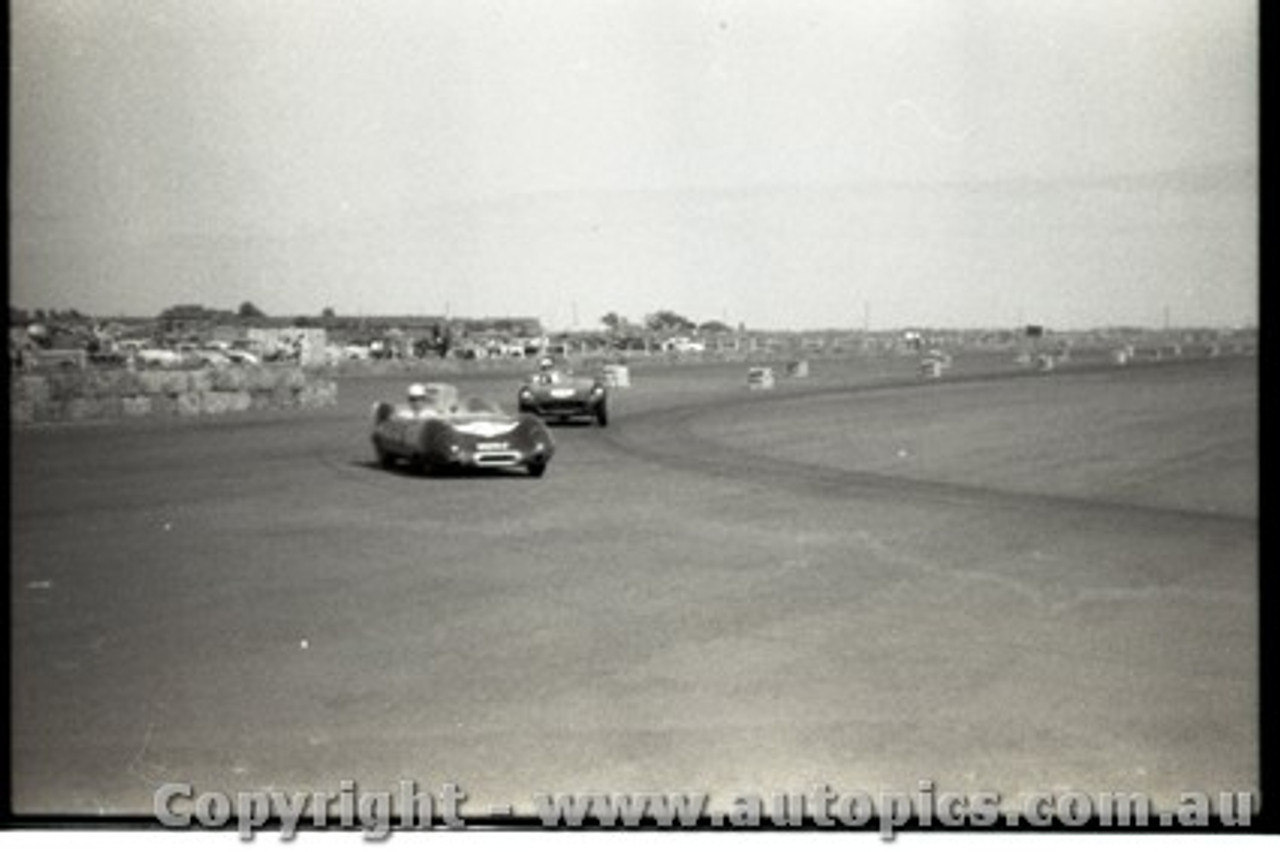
(798, 369)
(68, 395)
(760, 378)
(616, 375)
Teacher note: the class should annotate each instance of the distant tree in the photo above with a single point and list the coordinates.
(668, 321)
(328, 313)
(613, 321)
(189, 311)
(248, 310)
(714, 327)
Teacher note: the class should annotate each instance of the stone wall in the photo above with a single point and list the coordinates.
(78, 395)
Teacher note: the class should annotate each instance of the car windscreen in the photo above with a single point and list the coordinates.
(434, 398)
(478, 405)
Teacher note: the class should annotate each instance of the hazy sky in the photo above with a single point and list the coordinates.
(779, 163)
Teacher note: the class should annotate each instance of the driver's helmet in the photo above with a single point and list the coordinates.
(417, 392)
(546, 364)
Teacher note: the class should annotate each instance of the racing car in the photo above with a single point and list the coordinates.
(441, 429)
(559, 394)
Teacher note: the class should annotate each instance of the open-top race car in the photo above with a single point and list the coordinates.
(439, 428)
(559, 394)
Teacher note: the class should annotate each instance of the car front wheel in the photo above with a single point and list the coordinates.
(385, 459)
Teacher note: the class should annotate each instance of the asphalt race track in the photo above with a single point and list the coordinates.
(1039, 583)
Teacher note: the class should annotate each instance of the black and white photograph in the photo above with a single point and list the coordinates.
(811, 415)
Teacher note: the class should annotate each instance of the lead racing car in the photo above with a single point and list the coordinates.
(559, 394)
(441, 429)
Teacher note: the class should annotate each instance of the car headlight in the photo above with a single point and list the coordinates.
(526, 394)
(597, 390)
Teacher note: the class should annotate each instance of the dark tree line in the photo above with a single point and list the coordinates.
(661, 322)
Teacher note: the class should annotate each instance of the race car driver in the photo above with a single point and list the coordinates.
(418, 408)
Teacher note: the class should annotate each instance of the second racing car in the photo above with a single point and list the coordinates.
(558, 394)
